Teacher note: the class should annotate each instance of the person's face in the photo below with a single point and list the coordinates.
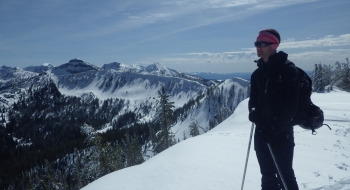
(264, 52)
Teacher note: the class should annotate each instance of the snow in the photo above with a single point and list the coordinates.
(215, 160)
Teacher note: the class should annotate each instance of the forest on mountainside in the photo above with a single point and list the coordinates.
(324, 76)
(45, 145)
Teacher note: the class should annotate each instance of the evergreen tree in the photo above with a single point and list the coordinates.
(317, 79)
(52, 180)
(77, 170)
(99, 159)
(184, 138)
(164, 120)
(327, 76)
(194, 128)
(342, 75)
(132, 151)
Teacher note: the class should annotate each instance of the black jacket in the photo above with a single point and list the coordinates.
(274, 92)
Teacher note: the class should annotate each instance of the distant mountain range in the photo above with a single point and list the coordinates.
(44, 107)
(137, 85)
(220, 76)
(223, 76)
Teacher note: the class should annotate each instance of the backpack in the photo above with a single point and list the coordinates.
(308, 116)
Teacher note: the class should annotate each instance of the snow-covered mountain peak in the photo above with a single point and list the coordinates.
(155, 66)
(152, 69)
(7, 68)
(74, 66)
(158, 69)
(47, 65)
(8, 73)
(113, 65)
(119, 67)
(40, 69)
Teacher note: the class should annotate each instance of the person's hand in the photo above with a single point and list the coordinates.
(254, 117)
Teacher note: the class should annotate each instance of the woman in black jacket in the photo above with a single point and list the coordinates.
(272, 105)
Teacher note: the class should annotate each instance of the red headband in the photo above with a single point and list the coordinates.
(268, 37)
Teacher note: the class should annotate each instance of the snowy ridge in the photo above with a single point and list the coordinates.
(11, 73)
(119, 67)
(13, 80)
(112, 84)
(212, 101)
(158, 69)
(215, 160)
(74, 66)
(141, 90)
(228, 95)
(40, 69)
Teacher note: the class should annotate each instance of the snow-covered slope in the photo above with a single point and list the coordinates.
(215, 160)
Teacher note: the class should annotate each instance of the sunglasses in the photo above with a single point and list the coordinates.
(263, 44)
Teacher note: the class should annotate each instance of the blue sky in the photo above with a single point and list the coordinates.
(186, 35)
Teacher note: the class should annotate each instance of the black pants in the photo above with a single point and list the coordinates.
(283, 148)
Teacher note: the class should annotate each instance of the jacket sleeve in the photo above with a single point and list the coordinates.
(253, 97)
(291, 95)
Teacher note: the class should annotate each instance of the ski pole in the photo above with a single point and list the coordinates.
(278, 169)
(246, 162)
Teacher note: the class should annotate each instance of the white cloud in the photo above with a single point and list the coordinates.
(303, 52)
(192, 64)
(251, 55)
(238, 55)
(329, 54)
(288, 40)
(279, 3)
(327, 41)
(306, 46)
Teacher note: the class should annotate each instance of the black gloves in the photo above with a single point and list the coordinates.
(254, 117)
(265, 127)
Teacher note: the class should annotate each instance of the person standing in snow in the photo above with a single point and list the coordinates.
(273, 103)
